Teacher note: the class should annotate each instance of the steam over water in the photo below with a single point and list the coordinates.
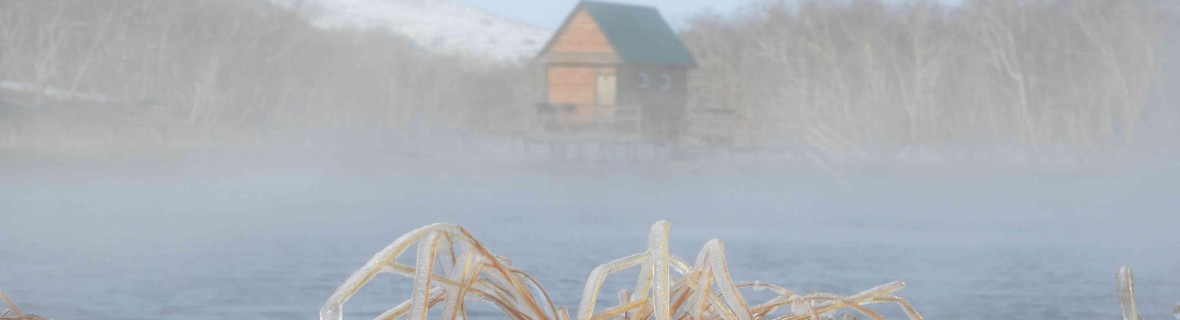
(159, 240)
(234, 159)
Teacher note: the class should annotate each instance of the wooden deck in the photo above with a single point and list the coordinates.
(559, 122)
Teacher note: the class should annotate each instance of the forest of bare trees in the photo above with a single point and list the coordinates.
(1046, 72)
(844, 74)
(236, 64)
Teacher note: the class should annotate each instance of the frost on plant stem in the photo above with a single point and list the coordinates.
(1127, 293)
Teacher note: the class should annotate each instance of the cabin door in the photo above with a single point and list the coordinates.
(607, 88)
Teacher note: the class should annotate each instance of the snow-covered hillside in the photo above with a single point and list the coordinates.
(441, 26)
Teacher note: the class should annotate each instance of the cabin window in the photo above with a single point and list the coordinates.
(644, 80)
(607, 85)
(667, 82)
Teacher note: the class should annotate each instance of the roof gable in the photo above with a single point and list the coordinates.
(581, 34)
(638, 34)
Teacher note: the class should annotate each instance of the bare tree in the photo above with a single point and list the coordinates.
(49, 41)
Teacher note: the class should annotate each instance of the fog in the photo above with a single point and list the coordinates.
(224, 158)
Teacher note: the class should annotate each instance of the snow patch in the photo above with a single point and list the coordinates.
(441, 26)
(55, 93)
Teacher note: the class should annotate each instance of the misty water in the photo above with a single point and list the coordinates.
(240, 159)
(197, 238)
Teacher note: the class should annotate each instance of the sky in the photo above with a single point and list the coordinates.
(550, 13)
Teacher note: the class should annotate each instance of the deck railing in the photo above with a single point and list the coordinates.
(601, 121)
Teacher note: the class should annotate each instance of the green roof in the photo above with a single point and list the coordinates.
(639, 34)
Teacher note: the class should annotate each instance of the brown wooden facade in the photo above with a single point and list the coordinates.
(602, 80)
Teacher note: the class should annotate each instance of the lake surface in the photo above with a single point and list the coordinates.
(273, 242)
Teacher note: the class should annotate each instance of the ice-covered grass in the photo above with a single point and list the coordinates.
(667, 286)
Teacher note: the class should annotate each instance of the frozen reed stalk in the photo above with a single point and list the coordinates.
(1176, 310)
(470, 271)
(14, 310)
(1127, 293)
(12, 307)
(667, 287)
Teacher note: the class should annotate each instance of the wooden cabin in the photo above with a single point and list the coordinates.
(615, 71)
